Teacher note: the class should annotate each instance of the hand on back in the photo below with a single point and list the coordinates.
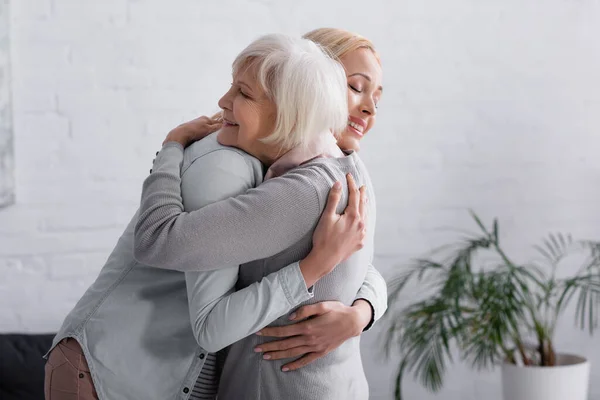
(337, 236)
(194, 130)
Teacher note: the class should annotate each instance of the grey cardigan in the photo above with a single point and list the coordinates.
(267, 228)
(133, 323)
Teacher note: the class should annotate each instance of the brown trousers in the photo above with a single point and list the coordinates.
(67, 373)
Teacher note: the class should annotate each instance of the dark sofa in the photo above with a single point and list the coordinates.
(22, 365)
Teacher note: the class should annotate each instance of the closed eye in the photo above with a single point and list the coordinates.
(240, 91)
(244, 95)
(354, 89)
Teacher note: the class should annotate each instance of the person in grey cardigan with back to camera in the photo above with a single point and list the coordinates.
(129, 337)
(284, 117)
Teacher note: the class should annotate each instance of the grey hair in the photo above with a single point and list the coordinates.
(307, 86)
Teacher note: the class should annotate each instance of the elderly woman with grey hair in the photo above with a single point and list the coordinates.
(283, 116)
(129, 336)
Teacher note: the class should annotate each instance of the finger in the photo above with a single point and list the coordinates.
(295, 352)
(310, 310)
(335, 194)
(201, 120)
(215, 127)
(353, 196)
(302, 361)
(218, 116)
(363, 202)
(279, 345)
(281, 331)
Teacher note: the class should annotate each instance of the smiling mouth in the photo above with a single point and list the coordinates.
(356, 128)
(229, 123)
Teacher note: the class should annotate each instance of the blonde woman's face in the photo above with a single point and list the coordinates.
(364, 76)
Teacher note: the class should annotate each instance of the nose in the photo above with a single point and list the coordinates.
(368, 107)
(226, 102)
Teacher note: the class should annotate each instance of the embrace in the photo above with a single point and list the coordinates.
(246, 272)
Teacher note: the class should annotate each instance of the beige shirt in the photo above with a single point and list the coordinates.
(323, 145)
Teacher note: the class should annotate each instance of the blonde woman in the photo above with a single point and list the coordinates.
(362, 65)
(332, 323)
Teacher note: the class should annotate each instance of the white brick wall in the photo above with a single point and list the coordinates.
(488, 105)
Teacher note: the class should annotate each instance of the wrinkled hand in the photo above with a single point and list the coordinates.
(329, 324)
(196, 129)
(336, 237)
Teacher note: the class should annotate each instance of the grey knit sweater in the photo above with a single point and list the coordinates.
(265, 229)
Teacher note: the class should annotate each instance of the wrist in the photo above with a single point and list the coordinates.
(312, 269)
(177, 135)
(325, 257)
(363, 314)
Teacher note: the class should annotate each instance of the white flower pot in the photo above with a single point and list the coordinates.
(568, 380)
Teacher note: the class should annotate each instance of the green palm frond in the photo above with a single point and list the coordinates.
(593, 247)
(485, 312)
(555, 247)
(495, 320)
(587, 288)
(399, 376)
(425, 339)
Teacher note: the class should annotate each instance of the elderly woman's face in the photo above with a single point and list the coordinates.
(248, 115)
(364, 91)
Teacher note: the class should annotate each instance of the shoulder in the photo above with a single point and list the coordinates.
(324, 172)
(210, 151)
(215, 173)
(309, 183)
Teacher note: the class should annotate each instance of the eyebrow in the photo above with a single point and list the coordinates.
(241, 83)
(367, 77)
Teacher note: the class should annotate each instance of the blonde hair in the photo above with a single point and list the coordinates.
(307, 86)
(339, 42)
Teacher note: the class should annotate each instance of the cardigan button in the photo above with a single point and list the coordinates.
(186, 390)
(202, 356)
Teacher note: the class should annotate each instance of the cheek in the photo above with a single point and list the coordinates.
(370, 124)
(242, 117)
(353, 100)
(267, 125)
(261, 121)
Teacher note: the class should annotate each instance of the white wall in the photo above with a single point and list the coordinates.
(490, 105)
(6, 144)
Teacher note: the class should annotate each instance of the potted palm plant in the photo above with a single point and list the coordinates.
(495, 311)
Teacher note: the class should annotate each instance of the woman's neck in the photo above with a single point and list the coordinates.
(271, 155)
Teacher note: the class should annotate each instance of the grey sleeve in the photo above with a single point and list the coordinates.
(219, 315)
(374, 290)
(258, 224)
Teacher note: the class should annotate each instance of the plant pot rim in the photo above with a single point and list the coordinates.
(571, 360)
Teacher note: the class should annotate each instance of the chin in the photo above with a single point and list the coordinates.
(226, 138)
(349, 143)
